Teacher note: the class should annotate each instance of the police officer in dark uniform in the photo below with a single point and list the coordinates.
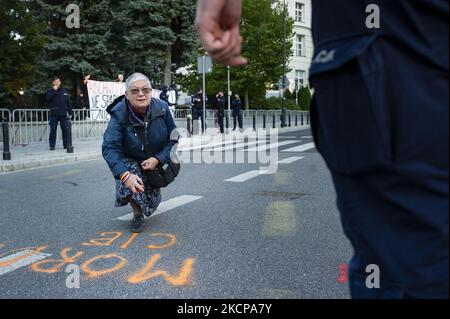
(220, 102)
(197, 107)
(58, 101)
(380, 118)
(237, 112)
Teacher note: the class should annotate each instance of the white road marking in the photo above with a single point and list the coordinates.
(301, 148)
(166, 206)
(290, 160)
(246, 176)
(262, 148)
(280, 220)
(236, 146)
(206, 146)
(31, 257)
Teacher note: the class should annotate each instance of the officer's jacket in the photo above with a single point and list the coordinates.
(58, 102)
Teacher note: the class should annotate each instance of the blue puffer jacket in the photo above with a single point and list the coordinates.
(121, 138)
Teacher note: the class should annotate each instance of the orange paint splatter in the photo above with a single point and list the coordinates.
(108, 241)
(92, 273)
(129, 241)
(171, 240)
(58, 263)
(182, 278)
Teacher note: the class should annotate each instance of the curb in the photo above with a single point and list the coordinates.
(9, 168)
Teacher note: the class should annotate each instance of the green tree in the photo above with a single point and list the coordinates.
(180, 17)
(20, 38)
(304, 98)
(144, 36)
(155, 35)
(262, 30)
(73, 52)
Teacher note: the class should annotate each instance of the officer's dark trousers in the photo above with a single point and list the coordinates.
(381, 123)
(220, 119)
(199, 116)
(237, 119)
(53, 128)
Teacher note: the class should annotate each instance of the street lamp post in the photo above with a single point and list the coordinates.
(283, 111)
(229, 97)
(204, 94)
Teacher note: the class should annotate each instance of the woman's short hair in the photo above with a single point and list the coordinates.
(136, 77)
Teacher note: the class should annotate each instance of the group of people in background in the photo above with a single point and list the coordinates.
(221, 103)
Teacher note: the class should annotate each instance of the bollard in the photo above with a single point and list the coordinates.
(6, 153)
(188, 125)
(302, 119)
(273, 118)
(290, 119)
(296, 119)
(254, 122)
(69, 136)
(264, 121)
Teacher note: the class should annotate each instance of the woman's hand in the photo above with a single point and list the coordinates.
(150, 164)
(135, 184)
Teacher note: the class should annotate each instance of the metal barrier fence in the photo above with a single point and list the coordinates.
(32, 125)
(5, 115)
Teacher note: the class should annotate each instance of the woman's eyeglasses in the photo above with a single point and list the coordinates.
(146, 91)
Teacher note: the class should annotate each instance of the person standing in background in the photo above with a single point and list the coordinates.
(237, 112)
(58, 101)
(220, 103)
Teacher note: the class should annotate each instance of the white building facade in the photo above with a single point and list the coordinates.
(300, 11)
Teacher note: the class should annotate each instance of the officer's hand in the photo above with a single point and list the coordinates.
(217, 24)
(135, 184)
(150, 164)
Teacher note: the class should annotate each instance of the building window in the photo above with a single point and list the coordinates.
(299, 12)
(301, 45)
(300, 78)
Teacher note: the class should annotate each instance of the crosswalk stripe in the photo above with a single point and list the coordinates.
(166, 206)
(300, 148)
(290, 160)
(265, 147)
(21, 259)
(206, 146)
(246, 176)
(236, 146)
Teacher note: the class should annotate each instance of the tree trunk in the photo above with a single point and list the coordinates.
(247, 102)
(168, 67)
(77, 90)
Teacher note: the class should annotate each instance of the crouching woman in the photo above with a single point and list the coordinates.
(141, 135)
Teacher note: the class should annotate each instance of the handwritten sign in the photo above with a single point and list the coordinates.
(102, 94)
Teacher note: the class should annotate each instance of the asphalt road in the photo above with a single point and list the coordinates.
(220, 234)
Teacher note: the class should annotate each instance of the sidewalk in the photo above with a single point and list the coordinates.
(38, 154)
